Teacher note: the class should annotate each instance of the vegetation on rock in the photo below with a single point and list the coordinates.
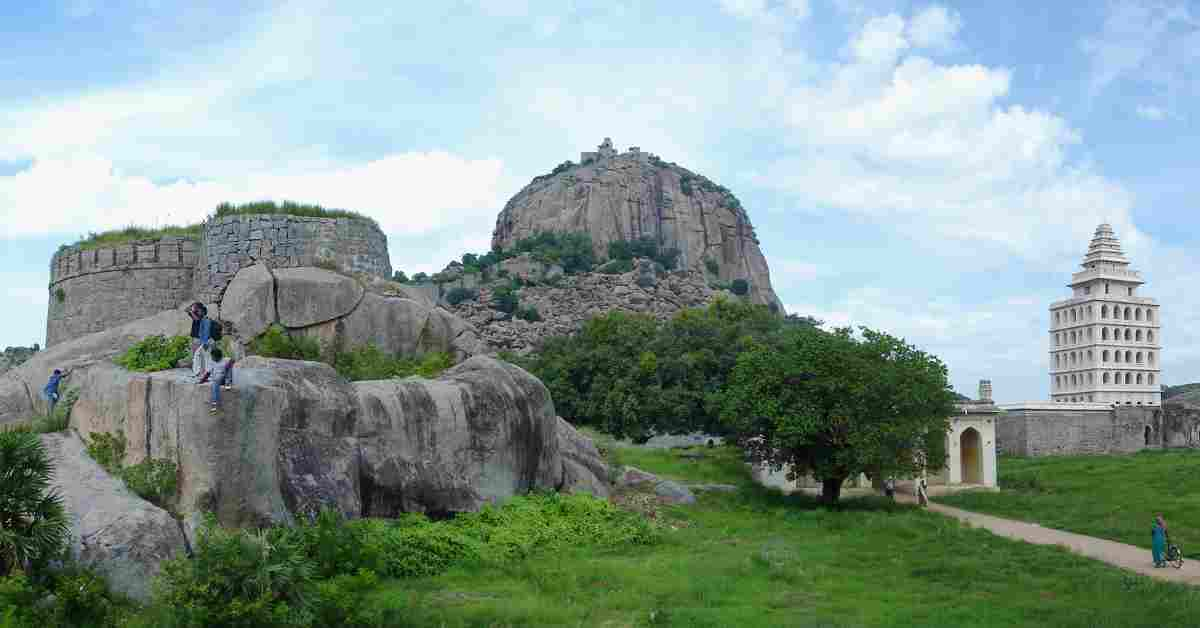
(33, 525)
(739, 287)
(369, 362)
(835, 405)
(153, 479)
(276, 342)
(155, 353)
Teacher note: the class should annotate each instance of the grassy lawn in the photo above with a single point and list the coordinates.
(757, 558)
(1112, 497)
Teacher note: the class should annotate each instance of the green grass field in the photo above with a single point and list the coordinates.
(757, 558)
(1112, 497)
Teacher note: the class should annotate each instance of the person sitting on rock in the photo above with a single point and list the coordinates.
(222, 377)
(50, 392)
(202, 339)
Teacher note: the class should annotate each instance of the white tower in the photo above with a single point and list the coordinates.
(1105, 344)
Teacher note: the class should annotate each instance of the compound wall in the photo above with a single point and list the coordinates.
(231, 243)
(1048, 429)
(97, 289)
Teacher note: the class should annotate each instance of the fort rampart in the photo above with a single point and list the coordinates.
(1046, 429)
(96, 289)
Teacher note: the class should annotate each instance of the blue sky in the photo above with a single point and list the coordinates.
(934, 170)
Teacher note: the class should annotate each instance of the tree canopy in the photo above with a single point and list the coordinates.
(836, 404)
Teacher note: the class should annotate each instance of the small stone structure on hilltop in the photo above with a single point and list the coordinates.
(96, 289)
(626, 196)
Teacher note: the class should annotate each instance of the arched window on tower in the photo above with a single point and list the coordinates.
(1091, 378)
(1128, 335)
(1128, 313)
(1104, 378)
(1139, 378)
(1128, 356)
(1149, 314)
(1106, 292)
(1072, 337)
(1128, 378)
(1089, 333)
(1103, 311)
(1074, 316)
(1089, 356)
(1149, 335)
(1091, 313)
(1116, 356)
(1137, 335)
(1137, 314)
(1150, 378)
(1150, 356)
(1104, 356)
(1073, 382)
(1104, 333)
(1139, 357)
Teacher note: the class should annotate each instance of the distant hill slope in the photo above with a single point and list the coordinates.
(1184, 393)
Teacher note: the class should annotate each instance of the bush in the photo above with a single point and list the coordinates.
(33, 525)
(712, 265)
(420, 278)
(277, 343)
(153, 479)
(287, 208)
(530, 314)
(399, 277)
(616, 267)
(573, 251)
(60, 295)
(740, 287)
(458, 295)
(646, 247)
(369, 362)
(108, 450)
(504, 299)
(155, 353)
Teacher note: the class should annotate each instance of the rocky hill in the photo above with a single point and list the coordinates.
(12, 357)
(615, 196)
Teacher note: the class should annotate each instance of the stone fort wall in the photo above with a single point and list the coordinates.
(98, 289)
(232, 243)
(1079, 428)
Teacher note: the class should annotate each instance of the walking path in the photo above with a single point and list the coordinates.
(1118, 554)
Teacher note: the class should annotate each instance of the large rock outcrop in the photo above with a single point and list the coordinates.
(292, 437)
(118, 534)
(627, 196)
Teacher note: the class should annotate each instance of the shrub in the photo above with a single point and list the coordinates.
(668, 257)
(287, 208)
(740, 287)
(60, 295)
(329, 264)
(504, 299)
(134, 233)
(33, 525)
(108, 450)
(458, 295)
(616, 267)
(530, 314)
(571, 250)
(153, 479)
(420, 278)
(712, 265)
(399, 277)
(276, 342)
(155, 353)
(369, 362)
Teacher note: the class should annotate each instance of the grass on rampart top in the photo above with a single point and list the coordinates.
(1112, 497)
(758, 558)
(134, 233)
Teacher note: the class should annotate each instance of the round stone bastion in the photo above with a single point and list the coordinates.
(100, 288)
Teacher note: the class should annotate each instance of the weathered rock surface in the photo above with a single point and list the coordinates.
(292, 437)
(526, 268)
(631, 195)
(567, 304)
(250, 301)
(400, 325)
(12, 357)
(20, 388)
(118, 534)
(484, 431)
(583, 468)
(308, 296)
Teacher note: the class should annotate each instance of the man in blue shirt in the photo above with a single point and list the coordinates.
(202, 335)
(50, 392)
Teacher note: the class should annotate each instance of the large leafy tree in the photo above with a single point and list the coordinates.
(838, 404)
(33, 526)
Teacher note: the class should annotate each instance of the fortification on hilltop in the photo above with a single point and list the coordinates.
(614, 196)
(93, 289)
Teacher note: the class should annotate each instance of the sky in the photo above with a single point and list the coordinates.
(932, 170)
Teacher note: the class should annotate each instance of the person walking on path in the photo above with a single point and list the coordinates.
(50, 392)
(922, 493)
(222, 377)
(1158, 540)
(202, 338)
(889, 488)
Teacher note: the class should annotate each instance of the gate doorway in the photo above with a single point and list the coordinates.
(970, 456)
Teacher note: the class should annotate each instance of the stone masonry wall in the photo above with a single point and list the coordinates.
(231, 243)
(97, 289)
(1045, 432)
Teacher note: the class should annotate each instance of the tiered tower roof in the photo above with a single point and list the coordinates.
(1105, 247)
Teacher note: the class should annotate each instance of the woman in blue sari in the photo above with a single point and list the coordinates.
(1158, 538)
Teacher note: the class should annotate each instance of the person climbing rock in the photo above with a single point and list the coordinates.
(50, 392)
(222, 377)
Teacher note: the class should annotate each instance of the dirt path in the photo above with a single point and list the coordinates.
(1117, 554)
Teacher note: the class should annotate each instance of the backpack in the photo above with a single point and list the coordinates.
(215, 332)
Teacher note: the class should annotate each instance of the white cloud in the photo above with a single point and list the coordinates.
(880, 41)
(407, 193)
(1145, 40)
(934, 27)
(1152, 113)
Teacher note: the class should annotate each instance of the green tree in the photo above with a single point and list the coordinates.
(740, 287)
(33, 525)
(399, 277)
(835, 405)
